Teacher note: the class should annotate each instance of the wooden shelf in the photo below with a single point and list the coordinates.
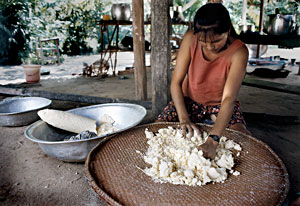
(120, 50)
(123, 22)
(115, 22)
(289, 41)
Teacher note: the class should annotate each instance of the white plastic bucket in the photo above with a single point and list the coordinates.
(32, 73)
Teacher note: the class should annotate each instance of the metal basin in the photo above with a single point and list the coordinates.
(20, 111)
(51, 140)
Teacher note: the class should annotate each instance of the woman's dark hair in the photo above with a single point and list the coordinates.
(213, 18)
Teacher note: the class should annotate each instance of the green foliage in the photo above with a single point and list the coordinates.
(14, 34)
(75, 42)
(74, 22)
(189, 13)
(284, 6)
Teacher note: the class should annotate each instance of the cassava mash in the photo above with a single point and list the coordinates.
(177, 160)
(106, 126)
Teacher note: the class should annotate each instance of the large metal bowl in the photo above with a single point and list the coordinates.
(20, 111)
(51, 140)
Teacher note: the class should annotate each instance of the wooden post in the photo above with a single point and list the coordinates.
(101, 40)
(261, 16)
(244, 14)
(139, 49)
(57, 50)
(261, 23)
(160, 54)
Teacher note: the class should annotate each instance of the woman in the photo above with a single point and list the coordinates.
(210, 68)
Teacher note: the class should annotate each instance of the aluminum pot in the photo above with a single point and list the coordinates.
(121, 11)
(279, 24)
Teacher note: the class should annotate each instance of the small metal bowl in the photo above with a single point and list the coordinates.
(51, 139)
(20, 111)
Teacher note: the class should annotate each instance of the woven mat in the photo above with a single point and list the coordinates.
(112, 170)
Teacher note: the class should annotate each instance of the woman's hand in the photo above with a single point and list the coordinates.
(209, 148)
(190, 127)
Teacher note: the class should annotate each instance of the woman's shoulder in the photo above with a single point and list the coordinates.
(235, 42)
(241, 51)
(188, 39)
(189, 36)
(238, 47)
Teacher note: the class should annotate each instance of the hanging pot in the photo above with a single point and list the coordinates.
(121, 12)
(279, 24)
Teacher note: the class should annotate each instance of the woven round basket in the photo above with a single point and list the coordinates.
(113, 169)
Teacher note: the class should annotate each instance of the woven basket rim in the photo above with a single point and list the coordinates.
(108, 199)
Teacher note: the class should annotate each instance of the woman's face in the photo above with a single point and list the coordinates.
(212, 42)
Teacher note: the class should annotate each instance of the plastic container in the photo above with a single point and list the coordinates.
(32, 73)
(106, 17)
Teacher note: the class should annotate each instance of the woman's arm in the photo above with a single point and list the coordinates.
(233, 83)
(181, 69)
(232, 86)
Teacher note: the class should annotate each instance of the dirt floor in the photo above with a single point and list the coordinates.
(29, 177)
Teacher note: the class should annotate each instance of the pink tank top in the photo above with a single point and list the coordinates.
(206, 79)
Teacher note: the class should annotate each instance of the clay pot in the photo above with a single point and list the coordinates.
(32, 73)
